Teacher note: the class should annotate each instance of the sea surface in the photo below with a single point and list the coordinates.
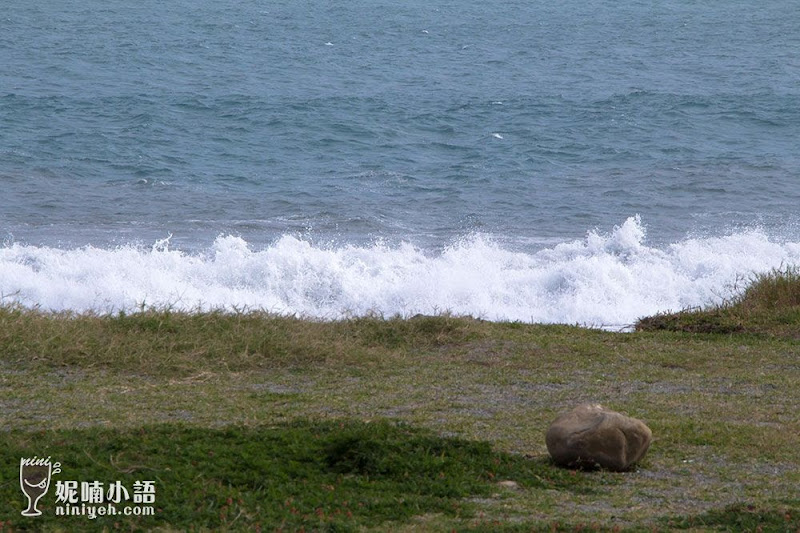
(584, 162)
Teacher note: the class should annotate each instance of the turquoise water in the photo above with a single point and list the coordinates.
(393, 137)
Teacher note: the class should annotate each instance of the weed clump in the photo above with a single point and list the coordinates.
(774, 290)
(769, 305)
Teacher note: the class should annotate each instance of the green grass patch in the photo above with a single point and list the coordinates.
(742, 517)
(332, 476)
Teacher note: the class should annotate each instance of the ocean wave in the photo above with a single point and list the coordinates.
(603, 280)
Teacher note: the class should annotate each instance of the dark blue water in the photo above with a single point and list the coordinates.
(425, 125)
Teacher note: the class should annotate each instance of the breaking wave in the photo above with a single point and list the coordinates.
(604, 280)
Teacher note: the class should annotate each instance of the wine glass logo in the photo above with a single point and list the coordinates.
(34, 480)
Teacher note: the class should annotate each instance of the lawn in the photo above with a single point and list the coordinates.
(249, 421)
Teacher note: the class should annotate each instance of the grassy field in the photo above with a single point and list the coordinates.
(260, 423)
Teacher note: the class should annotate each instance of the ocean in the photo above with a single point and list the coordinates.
(580, 162)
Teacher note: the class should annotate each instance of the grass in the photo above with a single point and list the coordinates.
(769, 305)
(335, 476)
(741, 517)
(234, 415)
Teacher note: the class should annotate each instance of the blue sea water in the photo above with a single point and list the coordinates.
(584, 162)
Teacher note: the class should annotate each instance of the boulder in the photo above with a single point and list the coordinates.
(592, 436)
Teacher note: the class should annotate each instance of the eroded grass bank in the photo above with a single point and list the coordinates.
(208, 404)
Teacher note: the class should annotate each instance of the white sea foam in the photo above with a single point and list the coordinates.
(605, 280)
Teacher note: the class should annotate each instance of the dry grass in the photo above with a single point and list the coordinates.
(167, 343)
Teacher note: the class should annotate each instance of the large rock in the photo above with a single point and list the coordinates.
(591, 435)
